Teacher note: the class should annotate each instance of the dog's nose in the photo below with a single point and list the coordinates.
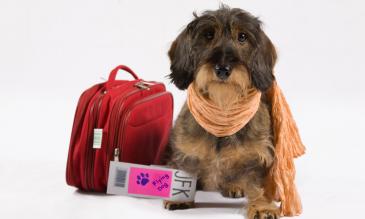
(223, 71)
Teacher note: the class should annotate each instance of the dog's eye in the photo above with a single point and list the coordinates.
(242, 37)
(209, 35)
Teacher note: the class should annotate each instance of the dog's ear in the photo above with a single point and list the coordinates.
(182, 58)
(261, 63)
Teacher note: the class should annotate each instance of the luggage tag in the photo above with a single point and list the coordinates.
(151, 182)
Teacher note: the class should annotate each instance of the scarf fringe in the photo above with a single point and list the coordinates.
(280, 184)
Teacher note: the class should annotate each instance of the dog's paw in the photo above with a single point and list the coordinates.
(263, 211)
(233, 193)
(170, 205)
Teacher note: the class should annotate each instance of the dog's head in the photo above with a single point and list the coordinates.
(224, 52)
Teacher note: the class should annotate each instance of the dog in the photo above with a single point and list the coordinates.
(225, 53)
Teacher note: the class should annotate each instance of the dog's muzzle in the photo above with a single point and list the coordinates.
(222, 71)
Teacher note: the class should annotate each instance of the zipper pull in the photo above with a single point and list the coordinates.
(141, 85)
(116, 154)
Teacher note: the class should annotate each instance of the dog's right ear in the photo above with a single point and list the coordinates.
(182, 58)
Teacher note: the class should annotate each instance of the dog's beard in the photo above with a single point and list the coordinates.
(223, 93)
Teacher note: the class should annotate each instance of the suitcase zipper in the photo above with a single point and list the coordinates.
(90, 153)
(142, 85)
(120, 138)
(81, 107)
(117, 108)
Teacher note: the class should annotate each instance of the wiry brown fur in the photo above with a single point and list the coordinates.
(235, 165)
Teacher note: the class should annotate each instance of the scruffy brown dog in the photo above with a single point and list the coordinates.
(225, 53)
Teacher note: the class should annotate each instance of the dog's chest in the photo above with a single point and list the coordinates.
(216, 159)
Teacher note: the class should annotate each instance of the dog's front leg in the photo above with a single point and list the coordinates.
(248, 180)
(181, 161)
(175, 205)
(259, 205)
(243, 170)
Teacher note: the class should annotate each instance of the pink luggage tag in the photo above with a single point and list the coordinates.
(150, 181)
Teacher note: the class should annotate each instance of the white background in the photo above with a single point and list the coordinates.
(50, 51)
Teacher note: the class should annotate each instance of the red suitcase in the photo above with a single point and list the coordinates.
(118, 119)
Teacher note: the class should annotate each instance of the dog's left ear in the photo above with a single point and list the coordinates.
(182, 58)
(261, 63)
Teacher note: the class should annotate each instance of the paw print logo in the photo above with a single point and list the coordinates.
(142, 179)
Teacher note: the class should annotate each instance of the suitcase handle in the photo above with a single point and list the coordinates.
(113, 75)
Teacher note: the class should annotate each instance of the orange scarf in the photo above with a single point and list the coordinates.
(280, 184)
(222, 121)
